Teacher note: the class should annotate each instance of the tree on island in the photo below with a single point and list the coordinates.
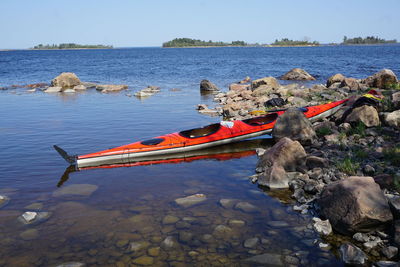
(71, 46)
(288, 42)
(367, 40)
(187, 42)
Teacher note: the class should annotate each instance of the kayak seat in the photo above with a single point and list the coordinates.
(200, 132)
(271, 117)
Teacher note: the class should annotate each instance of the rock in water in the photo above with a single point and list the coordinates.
(107, 88)
(72, 264)
(295, 125)
(382, 79)
(76, 189)
(366, 114)
(297, 74)
(66, 80)
(337, 78)
(352, 255)
(266, 259)
(206, 85)
(322, 227)
(53, 89)
(190, 200)
(285, 155)
(355, 204)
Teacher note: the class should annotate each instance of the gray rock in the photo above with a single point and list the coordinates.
(31, 217)
(392, 119)
(251, 242)
(337, 78)
(206, 85)
(69, 91)
(390, 252)
(294, 125)
(268, 259)
(169, 243)
(316, 162)
(355, 204)
(361, 237)
(394, 202)
(297, 74)
(89, 84)
(137, 246)
(53, 89)
(366, 114)
(228, 203)
(246, 207)
(382, 79)
(76, 190)
(277, 224)
(190, 201)
(352, 255)
(322, 227)
(106, 88)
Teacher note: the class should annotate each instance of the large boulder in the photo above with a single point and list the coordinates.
(268, 81)
(337, 78)
(295, 125)
(392, 119)
(366, 114)
(355, 204)
(298, 75)
(351, 83)
(382, 79)
(206, 85)
(285, 155)
(66, 80)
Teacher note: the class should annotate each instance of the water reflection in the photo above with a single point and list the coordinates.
(224, 152)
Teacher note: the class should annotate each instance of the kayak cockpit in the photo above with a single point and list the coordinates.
(152, 142)
(271, 117)
(201, 132)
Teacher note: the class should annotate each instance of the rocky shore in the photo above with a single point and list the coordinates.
(343, 170)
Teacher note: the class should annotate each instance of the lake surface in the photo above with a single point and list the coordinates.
(119, 216)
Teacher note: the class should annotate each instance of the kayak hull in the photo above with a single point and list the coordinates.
(195, 139)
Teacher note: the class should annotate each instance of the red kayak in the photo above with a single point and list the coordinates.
(194, 139)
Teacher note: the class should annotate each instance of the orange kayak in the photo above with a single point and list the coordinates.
(194, 139)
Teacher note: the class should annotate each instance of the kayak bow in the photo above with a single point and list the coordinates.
(194, 139)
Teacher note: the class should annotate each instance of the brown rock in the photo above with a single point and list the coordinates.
(297, 74)
(385, 180)
(355, 204)
(337, 78)
(366, 114)
(352, 83)
(66, 80)
(285, 155)
(295, 125)
(238, 87)
(271, 82)
(382, 79)
(37, 85)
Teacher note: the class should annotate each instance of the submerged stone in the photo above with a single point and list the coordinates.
(72, 264)
(228, 203)
(267, 259)
(144, 260)
(170, 219)
(352, 255)
(251, 242)
(76, 190)
(246, 207)
(190, 201)
(29, 234)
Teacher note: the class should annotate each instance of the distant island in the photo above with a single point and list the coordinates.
(71, 46)
(187, 42)
(288, 42)
(367, 40)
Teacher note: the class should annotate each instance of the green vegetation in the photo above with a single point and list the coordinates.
(361, 153)
(72, 46)
(393, 155)
(287, 42)
(367, 40)
(348, 166)
(394, 86)
(187, 42)
(359, 129)
(322, 131)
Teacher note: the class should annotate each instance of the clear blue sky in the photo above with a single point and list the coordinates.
(25, 23)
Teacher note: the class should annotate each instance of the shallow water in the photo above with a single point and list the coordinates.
(128, 205)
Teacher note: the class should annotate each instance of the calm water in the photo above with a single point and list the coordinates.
(129, 204)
